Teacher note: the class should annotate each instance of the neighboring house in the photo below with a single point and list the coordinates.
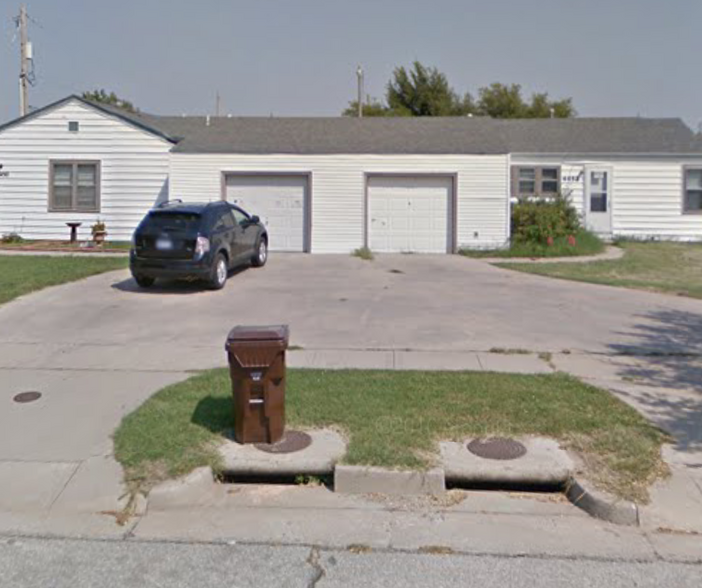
(330, 185)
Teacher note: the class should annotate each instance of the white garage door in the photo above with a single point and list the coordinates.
(279, 201)
(409, 214)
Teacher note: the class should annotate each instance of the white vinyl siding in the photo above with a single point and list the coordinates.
(646, 193)
(338, 190)
(133, 172)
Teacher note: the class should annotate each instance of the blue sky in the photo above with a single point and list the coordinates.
(298, 57)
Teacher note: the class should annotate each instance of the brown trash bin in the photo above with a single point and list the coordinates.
(257, 370)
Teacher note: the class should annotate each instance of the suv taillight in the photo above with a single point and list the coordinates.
(202, 246)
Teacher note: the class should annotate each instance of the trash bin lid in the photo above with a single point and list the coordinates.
(259, 333)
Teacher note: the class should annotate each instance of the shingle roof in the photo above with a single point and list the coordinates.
(600, 135)
(400, 135)
(429, 135)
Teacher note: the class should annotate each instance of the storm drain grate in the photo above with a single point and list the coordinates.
(291, 442)
(497, 448)
(24, 397)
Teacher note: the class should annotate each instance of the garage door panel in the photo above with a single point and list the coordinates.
(280, 203)
(409, 214)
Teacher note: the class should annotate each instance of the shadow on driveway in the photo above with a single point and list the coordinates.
(170, 286)
(666, 373)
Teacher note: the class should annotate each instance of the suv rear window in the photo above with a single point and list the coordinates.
(174, 221)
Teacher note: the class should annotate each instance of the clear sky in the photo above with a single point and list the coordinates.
(298, 57)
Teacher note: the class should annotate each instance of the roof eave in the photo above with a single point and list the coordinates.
(89, 103)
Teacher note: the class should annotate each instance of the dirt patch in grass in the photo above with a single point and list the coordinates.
(395, 419)
(674, 268)
(23, 274)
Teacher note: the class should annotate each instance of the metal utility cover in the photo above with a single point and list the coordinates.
(291, 442)
(24, 397)
(497, 448)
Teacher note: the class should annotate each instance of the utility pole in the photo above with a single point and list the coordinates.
(24, 63)
(359, 74)
(217, 103)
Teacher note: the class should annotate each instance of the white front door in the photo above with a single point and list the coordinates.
(409, 214)
(598, 201)
(279, 200)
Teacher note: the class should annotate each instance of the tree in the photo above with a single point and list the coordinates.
(111, 99)
(542, 107)
(371, 108)
(501, 101)
(423, 91)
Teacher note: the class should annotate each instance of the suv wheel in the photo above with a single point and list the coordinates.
(261, 256)
(220, 272)
(144, 281)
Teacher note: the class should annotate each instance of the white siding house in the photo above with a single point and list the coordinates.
(340, 218)
(130, 165)
(331, 185)
(645, 195)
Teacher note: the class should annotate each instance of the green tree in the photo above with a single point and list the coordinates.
(423, 91)
(501, 101)
(111, 99)
(370, 108)
(542, 107)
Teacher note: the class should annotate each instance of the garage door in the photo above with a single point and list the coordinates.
(409, 214)
(280, 201)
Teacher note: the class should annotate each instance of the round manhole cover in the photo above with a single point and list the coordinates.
(291, 442)
(24, 397)
(497, 448)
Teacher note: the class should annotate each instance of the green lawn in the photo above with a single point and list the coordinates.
(21, 274)
(395, 419)
(585, 244)
(664, 267)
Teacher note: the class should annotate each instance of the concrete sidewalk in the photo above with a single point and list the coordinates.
(61, 444)
(609, 254)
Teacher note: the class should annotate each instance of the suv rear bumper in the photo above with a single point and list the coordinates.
(169, 268)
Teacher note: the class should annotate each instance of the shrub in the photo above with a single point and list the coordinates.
(11, 238)
(543, 221)
(364, 253)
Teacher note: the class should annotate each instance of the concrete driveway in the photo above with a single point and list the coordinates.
(339, 302)
(97, 348)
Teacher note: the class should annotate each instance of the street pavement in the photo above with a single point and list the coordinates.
(98, 348)
(60, 563)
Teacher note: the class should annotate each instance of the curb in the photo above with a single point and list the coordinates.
(601, 506)
(349, 479)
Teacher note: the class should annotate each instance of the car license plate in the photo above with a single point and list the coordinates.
(164, 244)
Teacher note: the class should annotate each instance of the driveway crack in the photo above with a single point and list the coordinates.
(319, 572)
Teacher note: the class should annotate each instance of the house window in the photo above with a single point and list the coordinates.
(74, 186)
(536, 181)
(73, 126)
(692, 189)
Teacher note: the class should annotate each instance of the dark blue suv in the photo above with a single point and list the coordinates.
(180, 240)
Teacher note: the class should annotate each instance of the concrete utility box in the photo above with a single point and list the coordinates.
(257, 370)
